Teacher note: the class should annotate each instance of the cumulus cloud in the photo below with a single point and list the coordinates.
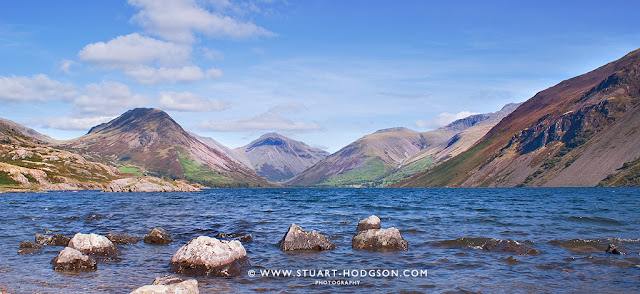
(65, 66)
(107, 98)
(187, 101)
(37, 88)
(69, 123)
(180, 20)
(268, 121)
(148, 75)
(134, 49)
(442, 119)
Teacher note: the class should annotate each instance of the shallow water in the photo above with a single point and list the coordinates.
(571, 227)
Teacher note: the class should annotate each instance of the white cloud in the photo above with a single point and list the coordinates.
(69, 123)
(180, 20)
(37, 88)
(187, 101)
(268, 121)
(107, 98)
(65, 66)
(134, 49)
(148, 75)
(442, 119)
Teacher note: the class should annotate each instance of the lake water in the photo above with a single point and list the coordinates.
(571, 227)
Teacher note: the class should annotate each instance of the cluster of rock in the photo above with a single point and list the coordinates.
(371, 237)
(150, 184)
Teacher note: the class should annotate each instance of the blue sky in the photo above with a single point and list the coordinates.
(323, 72)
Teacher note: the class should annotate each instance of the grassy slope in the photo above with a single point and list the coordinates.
(628, 175)
(365, 176)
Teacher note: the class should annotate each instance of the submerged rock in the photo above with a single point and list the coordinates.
(613, 249)
(372, 222)
(93, 244)
(509, 246)
(298, 239)
(28, 247)
(236, 236)
(379, 240)
(54, 240)
(169, 285)
(211, 257)
(122, 238)
(158, 236)
(70, 259)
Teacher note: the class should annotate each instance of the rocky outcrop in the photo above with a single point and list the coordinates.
(28, 247)
(150, 184)
(54, 240)
(93, 244)
(158, 236)
(613, 249)
(298, 239)
(379, 240)
(169, 285)
(508, 246)
(372, 222)
(70, 259)
(123, 238)
(211, 257)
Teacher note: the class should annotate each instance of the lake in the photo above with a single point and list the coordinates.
(571, 227)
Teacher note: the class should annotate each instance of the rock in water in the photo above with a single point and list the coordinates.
(611, 249)
(93, 244)
(55, 240)
(379, 240)
(71, 259)
(169, 285)
(122, 238)
(372, 222)
(211, 257)
(298, 239)
(509, 246)
(158, 236)
(28, 247)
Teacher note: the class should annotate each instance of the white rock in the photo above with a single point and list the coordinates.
(93, 244)
(210, 256)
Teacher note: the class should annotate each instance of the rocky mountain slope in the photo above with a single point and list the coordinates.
(29, 162)
(279, 158)
(581, 132)
(148, 141)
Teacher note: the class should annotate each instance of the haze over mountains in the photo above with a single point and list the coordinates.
(585, 131)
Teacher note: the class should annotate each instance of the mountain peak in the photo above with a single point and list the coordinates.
(136, 119)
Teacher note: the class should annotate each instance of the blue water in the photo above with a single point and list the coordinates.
(571, 227)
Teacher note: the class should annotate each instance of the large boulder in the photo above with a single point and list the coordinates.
(298, 239)
(379, 240)
(123, 238)
(28, 247)
(93, 244)
(54, 240)
(70, 259)
(169, 285)
(372, 222)
(158, 236)
(211, 257)
(508, 246)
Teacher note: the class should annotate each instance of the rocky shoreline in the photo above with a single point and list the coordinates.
(226, 256)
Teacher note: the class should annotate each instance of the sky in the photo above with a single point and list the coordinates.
(322, 72)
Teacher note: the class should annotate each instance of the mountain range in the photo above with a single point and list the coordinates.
(581, 132)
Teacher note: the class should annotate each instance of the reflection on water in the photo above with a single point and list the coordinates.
(571, 227)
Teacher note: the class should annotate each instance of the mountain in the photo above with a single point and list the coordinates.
(149, 141)
(279, 158)
(467, 132)
(239, 158)
(580, 132)
(29, 162)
